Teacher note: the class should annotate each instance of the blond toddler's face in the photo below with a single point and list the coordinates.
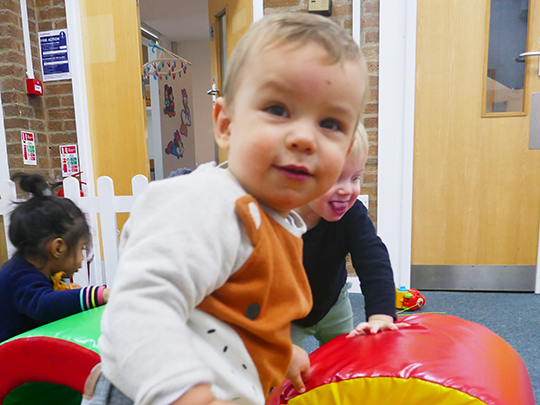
(291, 124)
(342, 195)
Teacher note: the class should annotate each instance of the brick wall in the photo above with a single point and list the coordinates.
(370, 47)
(50, 117)
(342, 15)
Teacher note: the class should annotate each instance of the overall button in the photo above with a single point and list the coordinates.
(253, 310)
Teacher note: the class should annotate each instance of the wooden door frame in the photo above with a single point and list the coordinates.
(397, 68)
(80, 96)
(4, 166)
(397, 84)
(82, 119)
(258, 9)
(4, 175)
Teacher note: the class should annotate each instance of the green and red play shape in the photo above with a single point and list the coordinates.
(49, 365)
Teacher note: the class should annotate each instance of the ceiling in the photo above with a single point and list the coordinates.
(177, 20)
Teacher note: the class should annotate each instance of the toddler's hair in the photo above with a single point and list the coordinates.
(44, 217)
(296, 29)
(361, 142)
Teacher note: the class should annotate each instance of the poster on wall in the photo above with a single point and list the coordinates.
(69, 160)
(176, 112)
(53, 48)
(28, 148)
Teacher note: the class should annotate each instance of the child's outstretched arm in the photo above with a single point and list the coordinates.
(299, 369)
(104, 291)
(35, 297)
(375, 324)
(371, 262)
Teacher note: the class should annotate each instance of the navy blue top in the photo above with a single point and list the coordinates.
(28, 299)
(325, 250)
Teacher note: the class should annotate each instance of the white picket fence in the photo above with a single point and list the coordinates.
(106, 204)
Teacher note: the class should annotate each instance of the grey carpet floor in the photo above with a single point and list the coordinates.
(513, 316)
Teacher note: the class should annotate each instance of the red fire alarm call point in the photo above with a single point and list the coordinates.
(34, 86)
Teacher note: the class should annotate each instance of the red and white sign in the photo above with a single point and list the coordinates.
(69, 160)
(28, 148)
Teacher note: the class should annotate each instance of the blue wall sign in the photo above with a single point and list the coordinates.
(53, 48)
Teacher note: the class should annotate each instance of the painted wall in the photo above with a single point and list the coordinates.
(198, 53)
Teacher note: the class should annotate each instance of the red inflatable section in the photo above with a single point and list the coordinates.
(438, 352)
(44, 359)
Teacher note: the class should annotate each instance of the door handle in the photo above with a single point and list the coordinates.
(534, 53)
(521, 55)
(214, 91)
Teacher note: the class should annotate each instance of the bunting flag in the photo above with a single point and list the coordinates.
(165, 65)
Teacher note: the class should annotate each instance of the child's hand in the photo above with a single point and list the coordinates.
(299, 369)
(74, 286)
(376, 324)
(106, 293)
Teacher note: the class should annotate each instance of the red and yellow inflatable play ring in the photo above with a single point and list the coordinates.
(437, 360)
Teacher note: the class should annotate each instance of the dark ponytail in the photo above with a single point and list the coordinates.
(44, 217)
(32, 183)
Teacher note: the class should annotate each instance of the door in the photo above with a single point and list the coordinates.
(112, 57)
(229, 21)
(476, 183)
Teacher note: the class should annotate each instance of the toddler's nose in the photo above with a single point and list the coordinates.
(302, 139)
(345, 187)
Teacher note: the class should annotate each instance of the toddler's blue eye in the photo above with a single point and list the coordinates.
(278, 110)
(331, 124)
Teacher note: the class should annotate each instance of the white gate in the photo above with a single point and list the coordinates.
(105, 236)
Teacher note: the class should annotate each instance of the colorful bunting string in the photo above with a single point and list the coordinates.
(166, 65)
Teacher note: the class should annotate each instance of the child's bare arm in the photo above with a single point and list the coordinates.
(377, 323)
(299, 369)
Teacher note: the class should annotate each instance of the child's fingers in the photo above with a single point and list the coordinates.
(390, 326)
(306, 373)
(352, 333)
(363, 327)
(297, 383)
(373, 328)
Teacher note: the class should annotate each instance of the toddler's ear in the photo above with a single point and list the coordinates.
(222, 123)
(57, 247)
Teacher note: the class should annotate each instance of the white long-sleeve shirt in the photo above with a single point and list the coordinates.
(183, 241)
